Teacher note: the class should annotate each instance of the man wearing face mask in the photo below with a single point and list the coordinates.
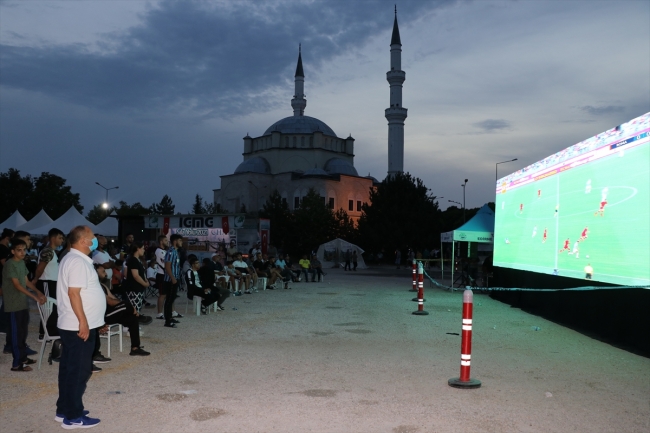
(81, 307)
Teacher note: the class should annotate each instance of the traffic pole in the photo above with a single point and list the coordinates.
(420, 298)
(414, 287)
(464, 381)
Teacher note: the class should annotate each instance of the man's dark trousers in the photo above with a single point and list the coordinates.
(171, 290)
(75, 369)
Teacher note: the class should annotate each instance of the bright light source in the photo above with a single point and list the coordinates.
(105, 205)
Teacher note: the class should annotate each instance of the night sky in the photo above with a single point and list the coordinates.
(155, 96)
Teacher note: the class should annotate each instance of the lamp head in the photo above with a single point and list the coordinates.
(105, 205)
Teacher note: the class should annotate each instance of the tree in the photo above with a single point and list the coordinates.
(400, 214)
(281, 218)
(343, 226)
(198, 208)
(165, 207)
(131, 209)
(14, 190)
(313, 224)
(29, 195)
(97, 214)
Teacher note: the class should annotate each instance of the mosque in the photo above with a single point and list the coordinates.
(301, 152)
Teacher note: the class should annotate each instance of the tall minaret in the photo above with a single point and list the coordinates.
(396, 114)
(299, 102)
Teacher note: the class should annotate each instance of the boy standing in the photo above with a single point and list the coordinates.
(15, 292)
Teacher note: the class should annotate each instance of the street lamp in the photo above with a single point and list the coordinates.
(463, 185)
(451, 201)
(105, 204)
(496, 168)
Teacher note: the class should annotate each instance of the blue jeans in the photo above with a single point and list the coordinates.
(75, 369)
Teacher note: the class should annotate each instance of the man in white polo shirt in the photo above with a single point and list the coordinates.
(81, 304)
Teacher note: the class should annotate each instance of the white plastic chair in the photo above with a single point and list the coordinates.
(44, 311)
(261, 281)
(110, 333)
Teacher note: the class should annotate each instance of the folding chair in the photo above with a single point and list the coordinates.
(110, 333)
(44, 311)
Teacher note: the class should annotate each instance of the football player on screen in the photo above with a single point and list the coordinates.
(588, 187)
(576, 250)
(601, 210)
(534, 231)
(583, 235)
(545, 235)
(521, 208)
(566, 246)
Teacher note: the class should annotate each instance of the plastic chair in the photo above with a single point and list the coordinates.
(44, 311)
(110, 333)
(261, 281)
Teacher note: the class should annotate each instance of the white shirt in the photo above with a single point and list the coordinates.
(280, 264)
(151, 273)
(101, 257)
(76, 270)
(51, 271)
(160, 260)
(239, 264)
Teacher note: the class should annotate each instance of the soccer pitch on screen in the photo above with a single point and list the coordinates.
(583, 212)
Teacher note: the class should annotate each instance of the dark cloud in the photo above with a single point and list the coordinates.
(214, 61)
(492, 125)
(602, 110)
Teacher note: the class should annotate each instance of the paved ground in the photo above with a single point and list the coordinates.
(347, 355)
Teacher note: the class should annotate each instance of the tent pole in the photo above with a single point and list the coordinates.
(453, 262)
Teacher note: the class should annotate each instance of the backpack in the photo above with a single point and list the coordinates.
(57, 350)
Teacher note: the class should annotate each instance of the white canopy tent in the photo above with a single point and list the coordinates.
(479, 229)
(333, 252)
(41, 219)
(65, 223)
(13, 222)
(109, 226)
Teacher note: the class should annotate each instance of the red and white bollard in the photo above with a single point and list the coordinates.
(464, 381)
(420, 298)
(414, 286)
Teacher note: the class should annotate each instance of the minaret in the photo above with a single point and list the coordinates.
(395, 114)
(299, 102)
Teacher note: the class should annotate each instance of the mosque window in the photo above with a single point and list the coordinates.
(331, 203)
(358, 205)
(295, 141)
(286, 141)
(302, 141)
(296, 202)
(284, 201)
(350, 205)
(311, 141)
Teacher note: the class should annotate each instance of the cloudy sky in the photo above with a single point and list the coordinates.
(155, 96)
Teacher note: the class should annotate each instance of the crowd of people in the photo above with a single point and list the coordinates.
(94, 285)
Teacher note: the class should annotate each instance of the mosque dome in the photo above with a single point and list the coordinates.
(316, 172)
(374, 179)
(254, 165)
(340, 166)
(300, 125)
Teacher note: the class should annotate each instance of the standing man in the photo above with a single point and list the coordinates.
(124, 251)
(81, 304)
(160, 254)
(47, 270)
(172, 278)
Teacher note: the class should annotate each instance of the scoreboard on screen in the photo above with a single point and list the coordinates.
(583, 212)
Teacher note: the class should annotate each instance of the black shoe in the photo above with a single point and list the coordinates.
(29, 361)
(101, 359)
(170, 325)
(145, 320)
(95, 369)
(139, 352)
(174, 321)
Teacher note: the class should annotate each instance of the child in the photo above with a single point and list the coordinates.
(15, 293)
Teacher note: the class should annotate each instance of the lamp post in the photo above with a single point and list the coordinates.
(463, 185)
(451, 201)
(496, 168)
(105, 204)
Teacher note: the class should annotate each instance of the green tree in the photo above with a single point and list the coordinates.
(198, 207)
(313, 224)
(343, 226)
(131, 209)
(165, 207)
(97, 214)
(281, 218)
(14, 190)
(209, 208)
(400, 214)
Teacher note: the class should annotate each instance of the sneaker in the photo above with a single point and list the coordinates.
(95, 369)
(175, 314)
(59, 417)
(170, 325)
(139, 352)
(29, 361)
(238, 293)
(248, 292)
(101, 359)
(270, 288)
(160, 316)
(174, 321)
(40, 338)
(220, 308)
(204, 311)
(82, 422)
(29, 351)
(22, 367)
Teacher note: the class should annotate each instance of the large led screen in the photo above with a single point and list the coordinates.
(583, 212)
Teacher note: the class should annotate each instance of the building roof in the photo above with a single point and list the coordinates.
(300, 125)
(299, 71)
(340, 166)
(254, 165)
(395, 40)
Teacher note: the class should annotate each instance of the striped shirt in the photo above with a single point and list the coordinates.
(172, 257)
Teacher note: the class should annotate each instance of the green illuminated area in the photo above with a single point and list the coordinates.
(618, 239)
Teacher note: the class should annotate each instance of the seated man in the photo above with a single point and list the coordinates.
(317, 267)
(210, 279)
(120, 312)
(194, 287)
(305, 266)
(234, 275)
(294, 269)
(260, 266)
(221, 276)
(242, 267)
